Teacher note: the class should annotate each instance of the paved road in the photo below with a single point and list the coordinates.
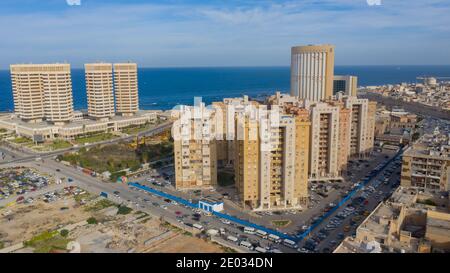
(332, 239)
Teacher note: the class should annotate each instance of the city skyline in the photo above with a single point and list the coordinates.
(223, 34)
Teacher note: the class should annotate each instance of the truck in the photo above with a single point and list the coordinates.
(104, 194)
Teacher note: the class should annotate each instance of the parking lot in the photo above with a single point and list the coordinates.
(16, 182)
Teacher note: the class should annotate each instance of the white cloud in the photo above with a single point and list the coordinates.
(73, 2)
(175, 34)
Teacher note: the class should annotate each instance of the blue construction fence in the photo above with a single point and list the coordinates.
(218, 214)
(362, 183)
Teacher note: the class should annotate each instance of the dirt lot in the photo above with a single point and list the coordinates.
(22, 222)
(186, 244)
(134, 231)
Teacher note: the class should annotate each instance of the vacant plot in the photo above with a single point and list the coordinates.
(186, 244)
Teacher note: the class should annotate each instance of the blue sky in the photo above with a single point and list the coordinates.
(157, 33)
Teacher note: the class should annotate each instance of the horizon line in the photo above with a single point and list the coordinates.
(241, 66)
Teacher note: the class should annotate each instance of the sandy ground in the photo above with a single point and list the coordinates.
(185, 244)
(26, 221)
(113, 234)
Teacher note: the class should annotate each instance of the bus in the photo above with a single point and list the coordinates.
(232, 239)
(246, 244)
(289, 243)
(261, 233)
(274, 238)
(249, 230)
(197, 226)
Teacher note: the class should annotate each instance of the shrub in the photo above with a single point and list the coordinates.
(92, 221)
(64, 233)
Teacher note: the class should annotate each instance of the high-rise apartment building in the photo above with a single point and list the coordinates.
(271, 165)
(324, 142)
(362, 126)
(345, 84)
(99, 89)
(42, 91)
(195, 148)
(312, 72)
(126, 88)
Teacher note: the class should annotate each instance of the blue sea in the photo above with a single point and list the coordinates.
(163, 88)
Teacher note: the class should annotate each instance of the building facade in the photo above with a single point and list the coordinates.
(42, 91)
(126, 88)
(312, 72)
(195, 148)
(425, 168)
(271, 165)
(324, 142)
(99, 89)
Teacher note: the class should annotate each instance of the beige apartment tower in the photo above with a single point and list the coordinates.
(99, 88)
(42, 91)
(362, 126)
(325, 144)
(195, 153)
(126, 88)
(312, 72)
(271, 165)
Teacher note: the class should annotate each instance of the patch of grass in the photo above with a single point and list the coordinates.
(79, 197)
(132, 130)
(94, 138)
(22, 140)
(47, 242)
(2, 245)
(99, 205)
(124, 210)
(281, 223)
(228, 249)
(92, 221)
(225, 179)
(60, 144)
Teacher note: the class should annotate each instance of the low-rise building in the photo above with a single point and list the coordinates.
(411, 221)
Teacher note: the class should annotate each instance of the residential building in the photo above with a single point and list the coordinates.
(195, 148)
(410, 221)
(271, 165)
(42, 91)
(324, 142)
(99, 89)
(312, 72)
(426, 167)
(126, 88)
(362, 126)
